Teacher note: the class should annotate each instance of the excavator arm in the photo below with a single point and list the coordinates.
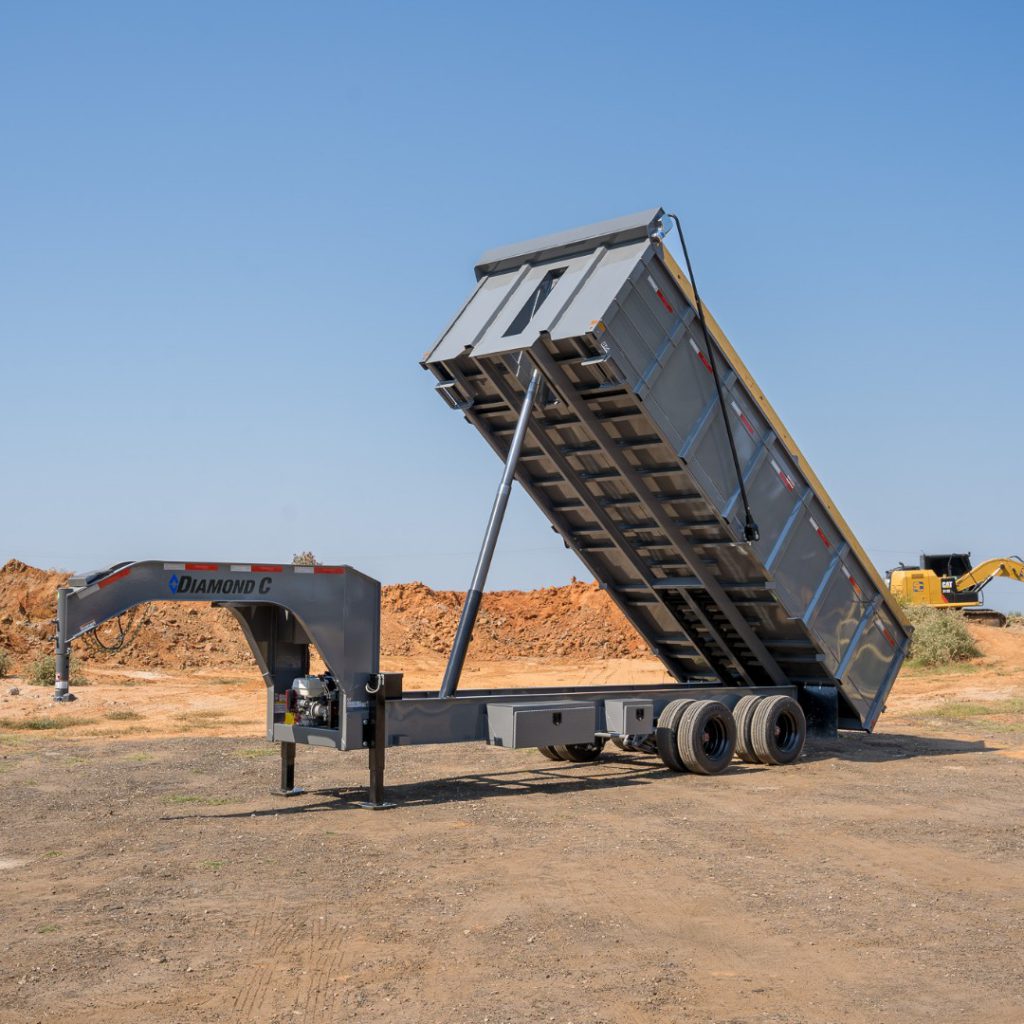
(981, 575)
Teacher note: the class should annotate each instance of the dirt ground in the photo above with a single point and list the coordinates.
(150, 876)
(877, 880)
(147, 873)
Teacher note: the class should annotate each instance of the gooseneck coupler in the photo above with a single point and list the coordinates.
(471, 607)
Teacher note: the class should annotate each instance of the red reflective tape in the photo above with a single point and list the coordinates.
(704, 359)
(854, 584)
(789, 483)
(888, 636)
(202, 566)
(330, 570)
(664, 301)
(824, 539)
(743, 419)
(266, 568)
(113, 579)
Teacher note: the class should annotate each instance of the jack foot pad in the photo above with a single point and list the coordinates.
(294, 791)
(368, 806)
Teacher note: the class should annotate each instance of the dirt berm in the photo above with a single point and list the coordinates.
(575, 621)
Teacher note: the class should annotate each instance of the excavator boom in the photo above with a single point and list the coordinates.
(981, 575)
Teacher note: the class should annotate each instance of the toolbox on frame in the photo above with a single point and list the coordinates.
(632, 716)
(541, 724)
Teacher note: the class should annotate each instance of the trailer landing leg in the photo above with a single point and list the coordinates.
(287, 787)
(377, 741)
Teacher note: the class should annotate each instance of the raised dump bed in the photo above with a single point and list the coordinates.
(627, 454)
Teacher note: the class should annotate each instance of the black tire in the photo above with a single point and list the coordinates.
(706, 735)
(778, 730)
(551, 754)
(580, 753)
(743, 715)
(665, 734)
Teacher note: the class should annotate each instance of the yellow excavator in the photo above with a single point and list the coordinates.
(950, 581)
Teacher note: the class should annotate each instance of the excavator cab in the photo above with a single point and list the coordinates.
(947, 565)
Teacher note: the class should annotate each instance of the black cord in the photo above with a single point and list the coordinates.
(125, 633)
(750, 530)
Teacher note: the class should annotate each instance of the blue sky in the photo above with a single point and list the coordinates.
(229, 231)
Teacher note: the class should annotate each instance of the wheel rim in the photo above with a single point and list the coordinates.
(787, 732)
(715, 738)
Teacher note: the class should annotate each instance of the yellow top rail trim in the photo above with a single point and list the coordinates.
(784, 436)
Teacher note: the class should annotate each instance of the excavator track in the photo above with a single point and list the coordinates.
(985, 617)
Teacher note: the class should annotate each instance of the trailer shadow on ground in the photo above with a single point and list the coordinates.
(555, 779)
(613, 771)
(878, 747)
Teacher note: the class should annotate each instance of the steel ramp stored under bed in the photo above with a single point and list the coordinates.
(628, 457)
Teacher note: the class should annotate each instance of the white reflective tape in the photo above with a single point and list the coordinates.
(303, 568)
(88, 626)
(652, 282)
(814, 525)
(736, 408)
(176, 566)
(693, 345)
(241, 568)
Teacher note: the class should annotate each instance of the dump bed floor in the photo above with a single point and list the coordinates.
(628, 456)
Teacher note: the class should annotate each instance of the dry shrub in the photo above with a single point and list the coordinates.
(940, 636)
(42, 671)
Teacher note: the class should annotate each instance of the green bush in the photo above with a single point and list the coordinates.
(305, 558)
(5, 664)
(940, 636)
(42, 671)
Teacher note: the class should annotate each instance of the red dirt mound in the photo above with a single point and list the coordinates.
(575, 621)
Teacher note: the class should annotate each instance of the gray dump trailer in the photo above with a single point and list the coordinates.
(591, 369)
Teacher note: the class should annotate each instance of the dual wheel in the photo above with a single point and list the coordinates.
(701, 736)
(769, 730)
